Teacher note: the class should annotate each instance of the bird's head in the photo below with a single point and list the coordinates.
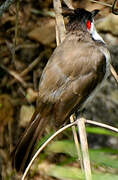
(81, 19)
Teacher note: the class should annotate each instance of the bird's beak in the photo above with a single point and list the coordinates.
(94, 12)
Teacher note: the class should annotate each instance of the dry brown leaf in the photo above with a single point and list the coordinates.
(45, 33)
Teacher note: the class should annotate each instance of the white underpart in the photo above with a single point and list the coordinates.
(94, 33)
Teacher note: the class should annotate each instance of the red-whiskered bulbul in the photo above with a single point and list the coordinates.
(73, 74)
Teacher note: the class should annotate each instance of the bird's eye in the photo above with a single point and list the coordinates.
(88, 25)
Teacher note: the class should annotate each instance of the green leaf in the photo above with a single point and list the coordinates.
(97, 130)
(69, 173)
(98, 156)
(102, 131)
(103, 159)
(64, 146)
(73, 173)
(103, 176)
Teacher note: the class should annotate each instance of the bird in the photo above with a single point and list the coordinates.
(71, 78)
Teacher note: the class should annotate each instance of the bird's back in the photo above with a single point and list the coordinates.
(75, 69)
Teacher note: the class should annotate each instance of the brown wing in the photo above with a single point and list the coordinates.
(73, 72)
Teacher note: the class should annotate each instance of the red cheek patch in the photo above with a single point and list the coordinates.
(88, 25)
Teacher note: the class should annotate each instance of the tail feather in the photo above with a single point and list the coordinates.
(23, 152)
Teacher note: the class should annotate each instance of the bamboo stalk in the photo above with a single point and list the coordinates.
(84, 148)
(72, 119)
(60, 29)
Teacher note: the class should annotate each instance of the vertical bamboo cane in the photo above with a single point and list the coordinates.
(84, 148)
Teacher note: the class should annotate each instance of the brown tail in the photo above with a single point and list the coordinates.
(23, 151)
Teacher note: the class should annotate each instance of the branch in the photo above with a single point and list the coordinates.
(5, 6)
(102, 3)
(15, 75)
(29, 68)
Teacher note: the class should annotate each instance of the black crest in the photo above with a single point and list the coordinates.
(79, 14)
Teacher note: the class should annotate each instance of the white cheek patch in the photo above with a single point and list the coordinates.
(94, 33)
(92, 26)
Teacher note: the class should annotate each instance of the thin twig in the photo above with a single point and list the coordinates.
(115, 7)
(26, 46)
(84, 148)
(114, 73)
(44, 13)
(5, 6)
(44, 145)
(16, 30)
(29, 68)
(102, 3)
(72, 119)
(17, 18)
(102, 125)
(15, 75)
(114, 10)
